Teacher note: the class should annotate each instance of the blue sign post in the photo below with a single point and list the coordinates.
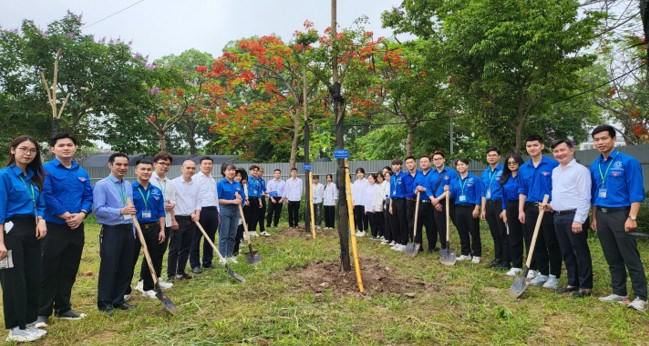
(341, 154)
(306, 167)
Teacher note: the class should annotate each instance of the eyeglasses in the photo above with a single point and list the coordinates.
(27, 150)
(163, 163)
(438, 159)
(512, 163)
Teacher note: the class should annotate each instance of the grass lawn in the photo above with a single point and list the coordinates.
(297, 296)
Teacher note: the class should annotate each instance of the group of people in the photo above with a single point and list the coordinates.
(510, 198)
(43, 207)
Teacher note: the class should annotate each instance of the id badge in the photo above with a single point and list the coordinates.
(146, 214)
(488, 194)
(602, 192)
(462, 198)
(128, 217)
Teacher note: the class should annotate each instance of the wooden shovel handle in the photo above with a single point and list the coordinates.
(539, 221)
(154, 275)
(414, 228)
(207, 239)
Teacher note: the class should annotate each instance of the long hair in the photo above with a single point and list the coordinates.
(36, 166)
(508, 172)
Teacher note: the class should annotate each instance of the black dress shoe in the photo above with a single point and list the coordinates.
(566, 289)
(493, 263)
(210, 266)
(197, 270)
(504, 266)
(126, 306)
(183, 276)
(582, 293)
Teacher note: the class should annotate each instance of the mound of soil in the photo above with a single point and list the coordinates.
(321, 276)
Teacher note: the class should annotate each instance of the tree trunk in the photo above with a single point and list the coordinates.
(162, 140)
(55, 127)
(191, 134)
(296, 138)
(307, 190)
(409, 139)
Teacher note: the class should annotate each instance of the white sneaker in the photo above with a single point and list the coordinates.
(393, 243)
(552, 282)
(127, 297)
(254, 234)
(140, 286)
(539, 280)
(164, 285)
(514, 271)
(359, 234)
(531, 274)
(382, 238)
(475, 260)
(232, 260)
(317, 228)
(21, 335)
(383, 243)
(638, 304)
(612, 298)
(463, 258)
(149, 294)
(36, 331)
(400, 248)
(265, 234)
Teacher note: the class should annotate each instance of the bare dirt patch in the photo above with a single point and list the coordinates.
(321, 276)
(300, 232)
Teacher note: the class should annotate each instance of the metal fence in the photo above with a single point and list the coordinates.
(641, 152)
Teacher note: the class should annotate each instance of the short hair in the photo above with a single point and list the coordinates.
(424, 157)
(277, 170)
(373, 175)
(410, 157)
(387, 168)
(397, 162)
(438, 152)
(568, 142)
(293, 169)
(601, 128)
(360, 169)
(163, 155)
(532, 138)
(253, 167)
(143, 161)
(113, 156)
(316, 177)
(62, 135)
(490, 149)
(463, 160)
(388, 172)
(203, 158)
(225, 166)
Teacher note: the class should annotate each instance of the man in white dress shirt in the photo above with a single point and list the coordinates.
(293, 194)
(209, 201)
(275, 191)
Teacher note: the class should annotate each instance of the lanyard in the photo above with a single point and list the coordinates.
(463, 185)
(603, 175)
(146, 199)
(33, 194)
(121, 190)
(491, 180)
(163, 185)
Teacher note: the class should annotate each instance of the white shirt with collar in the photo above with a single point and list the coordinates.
(571, 189)
(293, 189)
(358, 191)
(186, 196)
(318, 193)
(275, 187)
(168, 192)
(330, 194)
(209, 197)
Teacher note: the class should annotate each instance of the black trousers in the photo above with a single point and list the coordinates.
(210, 221)
(162, 248)
(410, 216)
(20, 284)
(60, 257)
(575, 251)
(426, 218)
(293, 213)
(516, 237)
(317, 213)
(387, 217)
(274, 211)
(399, 221)
(237, 240)
(116, 266)
(330, 215)
(621, 253)
(498, 231)
(547, 254)
(253, 214)
(179, 244)
(150, 232)
(377, 223)
(262, 213)
(468, 229)
(359, 214)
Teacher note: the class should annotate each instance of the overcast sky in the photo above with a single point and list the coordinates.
(160, 27)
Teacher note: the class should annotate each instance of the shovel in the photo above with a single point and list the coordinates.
(520, 283)
(166, 301)
(221, 258)
(412, 249)
(448, 256)
(253, 257)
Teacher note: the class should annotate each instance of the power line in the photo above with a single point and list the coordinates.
(111, 15)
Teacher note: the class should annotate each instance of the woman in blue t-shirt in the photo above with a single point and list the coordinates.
(229, 192)
(467, 191)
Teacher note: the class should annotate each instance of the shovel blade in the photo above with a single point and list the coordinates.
(412, 249)
(234, 275)
(253, 257)
(518, 286)
(447, 256)
(166, 301)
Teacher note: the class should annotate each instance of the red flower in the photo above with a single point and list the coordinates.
(201, 69)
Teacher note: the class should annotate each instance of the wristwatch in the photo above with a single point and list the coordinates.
(633, 218)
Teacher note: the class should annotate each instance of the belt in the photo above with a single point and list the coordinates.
(209, 208)
(184, 217)
(465, 205)
(397, 198)
(148, 225)
(410, 199)
(565, 212)
(610, 210)
(125, 226)
(499, 201)
(424, 201)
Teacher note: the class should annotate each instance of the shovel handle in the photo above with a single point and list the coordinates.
(414, 227)
(147, 256)
(245, 224)
(539, 221)
(207, 239)
(448, 219)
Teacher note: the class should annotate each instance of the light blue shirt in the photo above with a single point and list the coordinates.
(109, 196)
